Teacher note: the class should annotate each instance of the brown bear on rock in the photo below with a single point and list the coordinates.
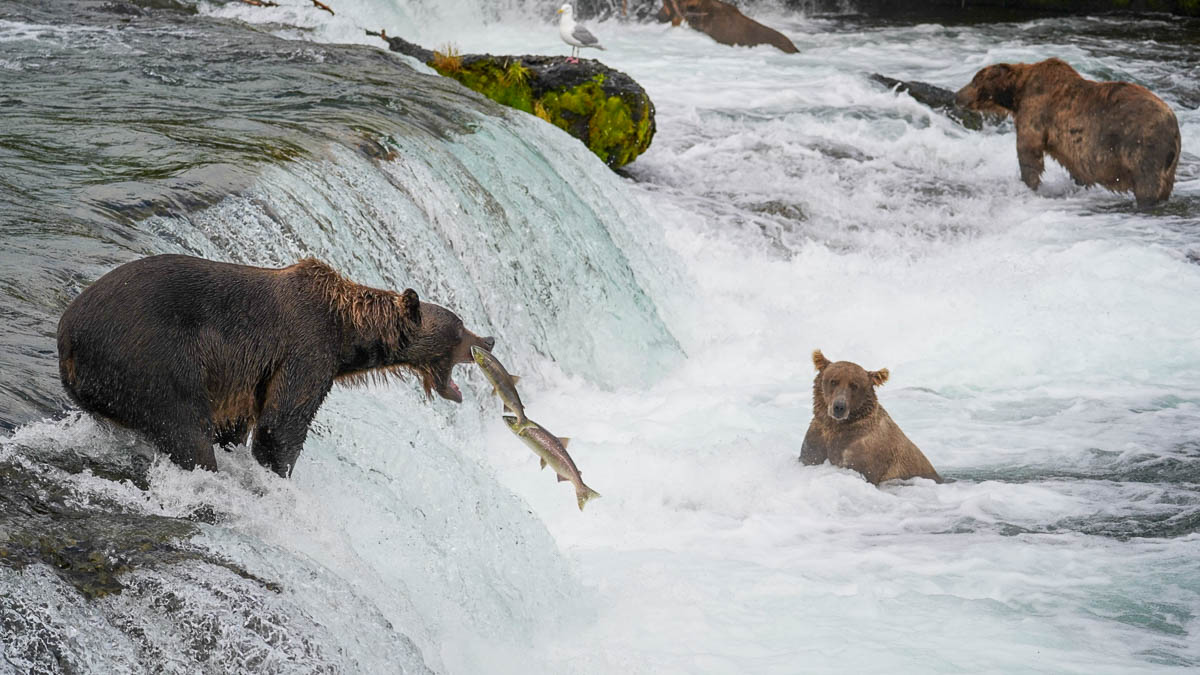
(724, 23)
(1114, 134)
(193, 352)
(851, 429)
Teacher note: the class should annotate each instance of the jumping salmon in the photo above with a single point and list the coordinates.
(503, 384)
(553, 451)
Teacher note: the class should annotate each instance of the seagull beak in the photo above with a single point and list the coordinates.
(559, 12)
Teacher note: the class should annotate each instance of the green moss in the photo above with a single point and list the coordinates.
(507, 84)
(617, 129)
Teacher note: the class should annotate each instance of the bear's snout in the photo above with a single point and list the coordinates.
(838, 410)
(488, 342)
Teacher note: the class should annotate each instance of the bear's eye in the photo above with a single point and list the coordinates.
(853, 386)
(833, 383)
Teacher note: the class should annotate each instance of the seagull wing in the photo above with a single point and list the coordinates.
(584, 36)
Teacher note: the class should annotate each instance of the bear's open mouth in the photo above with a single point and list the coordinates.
(449, 390)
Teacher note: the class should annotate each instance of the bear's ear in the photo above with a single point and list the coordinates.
(878, 377)
(410, 305)
(819, 360)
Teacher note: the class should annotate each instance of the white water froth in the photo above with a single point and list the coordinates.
(1040, 345)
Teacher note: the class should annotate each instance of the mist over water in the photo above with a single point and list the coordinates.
(1043, 351)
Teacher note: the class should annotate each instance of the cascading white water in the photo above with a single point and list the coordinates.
(1042, 349)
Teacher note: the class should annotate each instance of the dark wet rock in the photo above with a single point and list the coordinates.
(172, 5)
(89, 543)
(123, 8)
(93, 581)
(941, 100)
(604, 108)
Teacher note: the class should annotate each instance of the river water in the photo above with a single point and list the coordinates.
(1044, 351)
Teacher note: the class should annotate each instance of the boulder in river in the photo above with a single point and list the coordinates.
(941, 100)
(605, 108)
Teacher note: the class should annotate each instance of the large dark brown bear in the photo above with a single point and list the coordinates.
(193, 352)
(724, 23)
(1114, 134)
(851, 430)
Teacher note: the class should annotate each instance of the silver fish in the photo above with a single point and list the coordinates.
(503, 384)
(553, 452)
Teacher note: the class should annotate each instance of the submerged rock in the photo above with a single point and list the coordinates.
(941, 100)
(603, 107)
(92, 580)
(88, 543)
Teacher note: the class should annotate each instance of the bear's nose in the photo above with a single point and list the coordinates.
(488, 343)
(839, 409)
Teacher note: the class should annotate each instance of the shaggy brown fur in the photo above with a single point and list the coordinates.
(851, 430)
(723, 23)
(1114, 134)
(193, 352)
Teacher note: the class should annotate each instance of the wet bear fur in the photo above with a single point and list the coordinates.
(851, 430)
(193, 352)
(1114, 134)
(724, 23)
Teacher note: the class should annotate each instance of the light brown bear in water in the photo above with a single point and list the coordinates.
(724, 23)
(1114, 134)
(851, 429)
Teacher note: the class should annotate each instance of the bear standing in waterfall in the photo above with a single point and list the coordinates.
(193, 352)
(1114, 134)
(851, 430)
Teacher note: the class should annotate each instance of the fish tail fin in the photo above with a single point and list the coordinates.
(583, 494)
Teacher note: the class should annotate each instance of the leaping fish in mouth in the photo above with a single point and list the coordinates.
(553, 452)
(503, 384)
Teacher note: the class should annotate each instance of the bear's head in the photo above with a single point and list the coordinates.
(844, 391)
(992, 90)
(440, 342)
(676, 11)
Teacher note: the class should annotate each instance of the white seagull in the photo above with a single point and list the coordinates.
(574, 34)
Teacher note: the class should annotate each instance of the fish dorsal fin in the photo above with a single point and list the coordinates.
(543, 463)
(561, 479)
(565, 440)
(515, 378)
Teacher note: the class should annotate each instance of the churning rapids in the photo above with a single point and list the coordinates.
(1044, 350)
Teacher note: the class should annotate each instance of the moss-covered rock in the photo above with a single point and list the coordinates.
(604, 108)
